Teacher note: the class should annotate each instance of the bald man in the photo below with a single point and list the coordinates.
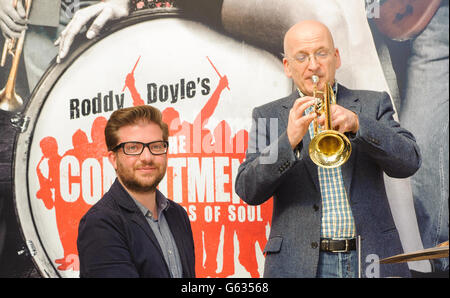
(320, 213)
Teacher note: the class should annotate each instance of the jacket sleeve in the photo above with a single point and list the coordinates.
(392, 147)
(268, 158)
(102, 247)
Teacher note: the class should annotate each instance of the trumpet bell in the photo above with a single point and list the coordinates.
(10, 102)
(330, 149)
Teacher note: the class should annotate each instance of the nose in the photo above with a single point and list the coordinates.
(312, 63)
(146, 154)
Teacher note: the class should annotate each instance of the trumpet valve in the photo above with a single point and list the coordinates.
(318, 104)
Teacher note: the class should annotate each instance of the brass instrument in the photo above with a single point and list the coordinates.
(9, 99)
(329, 148)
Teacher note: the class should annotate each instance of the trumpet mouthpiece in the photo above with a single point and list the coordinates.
(315, 79)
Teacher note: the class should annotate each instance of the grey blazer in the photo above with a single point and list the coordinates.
(292, 180)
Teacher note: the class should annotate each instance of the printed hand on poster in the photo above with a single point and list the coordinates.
(102, 12)
(12, 19)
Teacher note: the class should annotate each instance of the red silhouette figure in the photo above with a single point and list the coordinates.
(130, 83)
(98, 146)
(68, 214)
(97, 149)
(49, 186)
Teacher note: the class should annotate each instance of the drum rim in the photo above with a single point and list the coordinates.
(33, 107)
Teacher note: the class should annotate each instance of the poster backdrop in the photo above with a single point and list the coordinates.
(206, 85)
(200, 81)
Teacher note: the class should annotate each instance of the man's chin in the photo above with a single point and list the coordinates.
(140, 186)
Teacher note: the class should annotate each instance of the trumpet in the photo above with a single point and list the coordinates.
(328, 148)
(9, 99)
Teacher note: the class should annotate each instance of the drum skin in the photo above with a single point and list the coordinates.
(206, 85)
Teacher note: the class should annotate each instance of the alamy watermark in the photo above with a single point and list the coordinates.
(70, 7)
(373, 9)
(373, 266)
(197, 138)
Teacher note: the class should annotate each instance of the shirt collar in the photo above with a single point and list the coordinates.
(161, 202)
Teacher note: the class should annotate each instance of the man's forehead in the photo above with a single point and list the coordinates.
(308, 35)
(142, 128)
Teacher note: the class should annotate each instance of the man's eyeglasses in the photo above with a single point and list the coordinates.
(319, 56)
(136, 148)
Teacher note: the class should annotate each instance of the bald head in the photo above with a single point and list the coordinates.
(309, 51)
(304, 32)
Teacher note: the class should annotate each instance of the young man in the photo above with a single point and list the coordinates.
(134, 230)
(319, 212)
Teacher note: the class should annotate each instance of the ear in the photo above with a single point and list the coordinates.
(338, 58)
(112, 156)
(287, 71)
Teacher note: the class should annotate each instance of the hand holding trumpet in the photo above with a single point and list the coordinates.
(12, 18)
(343, 120)
(298, 122)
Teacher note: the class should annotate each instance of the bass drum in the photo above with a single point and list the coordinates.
(202, 81)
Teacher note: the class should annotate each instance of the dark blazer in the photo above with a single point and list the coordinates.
(379, 145)
(115, 239)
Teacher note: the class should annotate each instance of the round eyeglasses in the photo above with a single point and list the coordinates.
(318, 56)
(136, 148)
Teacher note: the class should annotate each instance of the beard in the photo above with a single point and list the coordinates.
(140, 184)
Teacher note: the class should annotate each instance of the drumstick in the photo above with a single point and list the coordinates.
(216, 70)
(132, 71)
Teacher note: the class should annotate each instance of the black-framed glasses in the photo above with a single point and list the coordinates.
(136, 148)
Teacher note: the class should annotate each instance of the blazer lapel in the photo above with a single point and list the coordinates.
(126, 202)
(284, 115)
(350, 101)
(286, 107)
(309, 164)
(140, 220)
